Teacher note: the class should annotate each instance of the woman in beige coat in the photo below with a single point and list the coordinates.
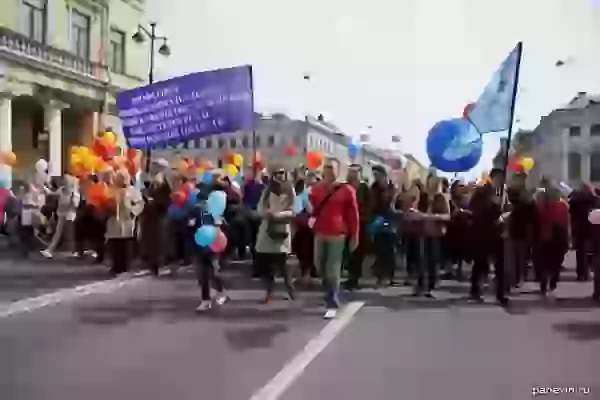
(125, 205)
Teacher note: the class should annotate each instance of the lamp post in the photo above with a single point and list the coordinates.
(164, 50)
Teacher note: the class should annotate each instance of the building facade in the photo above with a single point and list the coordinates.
(566, 144)
(61, 62)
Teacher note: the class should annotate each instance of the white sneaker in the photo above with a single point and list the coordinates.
(331, 313)
(46, 253)
(204, 306)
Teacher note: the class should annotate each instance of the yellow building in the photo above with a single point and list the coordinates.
(414, 169)
(61, 61)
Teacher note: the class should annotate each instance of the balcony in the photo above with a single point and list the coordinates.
(22, 48)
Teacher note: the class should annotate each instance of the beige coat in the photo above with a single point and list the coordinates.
(129, 205)
(282, 207)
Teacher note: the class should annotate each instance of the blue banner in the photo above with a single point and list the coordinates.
(188, 107)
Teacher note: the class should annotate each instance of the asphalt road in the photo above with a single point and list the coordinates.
(144, 341)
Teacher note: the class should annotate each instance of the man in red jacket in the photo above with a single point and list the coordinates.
(334, 219)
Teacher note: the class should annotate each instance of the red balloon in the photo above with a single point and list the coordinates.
(188, 188)
(218, 246)
(514, 164)
(467, 110)
(291, 150)
(179, 197)
(131, 153)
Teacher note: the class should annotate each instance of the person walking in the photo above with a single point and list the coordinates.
(334, 220)
(125, 205)
(274, 242)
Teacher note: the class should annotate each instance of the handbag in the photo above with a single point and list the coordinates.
(276, 231)
(320, 207)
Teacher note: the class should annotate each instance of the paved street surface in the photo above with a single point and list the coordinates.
(138, 337)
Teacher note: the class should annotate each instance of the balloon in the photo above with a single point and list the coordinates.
(41, 165)
(76, 159)
(527, 163)
(352, 149)
(8, 158)
(220, 242)
(131, 153)
(205, 235)
(467, 110)
(258, 162)
(238, 160)
(228, 157)
(206, 177)
(231, 170)
(454, 145)
(314, 159)
(178, 197)
(216, 203)
(291, 150)
(594, 217)
(514, 164)
(109, 137)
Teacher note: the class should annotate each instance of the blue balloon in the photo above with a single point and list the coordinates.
(352, 149)
(205, 235)
(192, 198)
(454, 145)
(206, 177)
(216, 203)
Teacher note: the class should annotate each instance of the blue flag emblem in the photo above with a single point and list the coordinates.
(492, 111)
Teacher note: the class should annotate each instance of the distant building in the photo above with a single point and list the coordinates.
(566, 144)
(415, 169)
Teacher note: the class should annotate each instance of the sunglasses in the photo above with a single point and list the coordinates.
(279, 173)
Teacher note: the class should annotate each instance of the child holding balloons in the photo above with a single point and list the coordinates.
(210, 243)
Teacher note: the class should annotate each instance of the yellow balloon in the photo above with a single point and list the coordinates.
(110, 137)
(82, 152)
(75, 159)
(527, 163)
(201, 170)
(238, 160)
(231, 169)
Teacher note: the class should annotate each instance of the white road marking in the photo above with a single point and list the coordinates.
(69, 294)
(296, 366)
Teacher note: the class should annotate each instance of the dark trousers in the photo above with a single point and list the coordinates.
(303, 246)
(182, 241)
(120, 254)
(26, 239)
(581, 245)
(253, 225)
(548, 258)
(208, 273)
(413, 247)
(97, 226)
(384, 247)
(270, 263)
(432, 257)
(493, 251)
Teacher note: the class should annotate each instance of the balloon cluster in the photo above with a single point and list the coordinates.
(314, 159)
(210, 236)
(182, 201)
(101, 157)
(521, 164)
(291, 150)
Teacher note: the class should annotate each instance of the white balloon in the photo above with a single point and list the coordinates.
(594, 217)
(41, 165)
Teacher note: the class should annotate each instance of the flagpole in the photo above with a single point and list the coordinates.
(512, 115)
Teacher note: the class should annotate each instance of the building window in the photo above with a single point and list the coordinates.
(35, 19)
(221, 143)
(574, 166)
(595, 167)
(232, 143)
(271, 141)
(595, 130)
(209, 143)
(191, 144)
(257, 141)
(116, 60)
(574, 131)
(245, 142)
(80, 34)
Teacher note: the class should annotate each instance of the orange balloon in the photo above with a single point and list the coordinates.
(132, 153)
(8, 158)
(314, 159)
(228, 157)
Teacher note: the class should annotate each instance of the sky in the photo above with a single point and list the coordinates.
(398, 66)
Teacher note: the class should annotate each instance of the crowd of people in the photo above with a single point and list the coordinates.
(435, 227)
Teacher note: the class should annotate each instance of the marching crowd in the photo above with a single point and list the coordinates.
(435, 226)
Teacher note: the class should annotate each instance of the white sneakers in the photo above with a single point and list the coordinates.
(46, 253)
(206, 305)
(331, 313)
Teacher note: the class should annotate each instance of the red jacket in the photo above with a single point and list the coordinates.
(339, 216)
(551, 214)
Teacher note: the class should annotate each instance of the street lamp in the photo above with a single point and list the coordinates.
(164, 50)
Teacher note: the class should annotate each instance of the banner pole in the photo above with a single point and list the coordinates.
(512, 116)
